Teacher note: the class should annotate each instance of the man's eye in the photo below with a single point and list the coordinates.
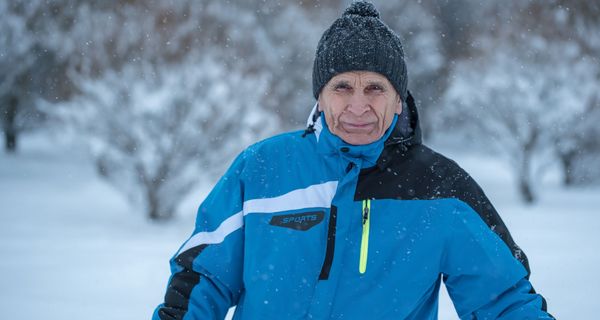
(342, 87)
(375, 88)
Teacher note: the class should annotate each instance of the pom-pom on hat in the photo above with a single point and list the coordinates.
(360, 41)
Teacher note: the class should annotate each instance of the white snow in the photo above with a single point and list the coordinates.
(72, 248)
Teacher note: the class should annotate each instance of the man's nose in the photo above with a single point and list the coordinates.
(358, 104)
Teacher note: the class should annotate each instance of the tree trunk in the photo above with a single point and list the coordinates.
(526, 190)
(567, 165)
(153, 207)
(155, 214)
(156, 210)
(10, 141)
(524, 178)
(10, 130)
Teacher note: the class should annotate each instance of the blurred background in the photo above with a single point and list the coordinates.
(117, 118)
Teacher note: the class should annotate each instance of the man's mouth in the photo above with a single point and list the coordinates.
(357, 126)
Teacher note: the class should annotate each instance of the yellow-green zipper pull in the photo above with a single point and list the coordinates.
(364, 244)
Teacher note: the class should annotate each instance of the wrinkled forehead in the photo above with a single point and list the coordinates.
(360, 78)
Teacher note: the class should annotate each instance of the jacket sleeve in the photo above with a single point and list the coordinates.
(466, 189)
(483, 278)
(206, 272)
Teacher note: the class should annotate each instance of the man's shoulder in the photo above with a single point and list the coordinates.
(418, 172)
(442, 174)
(281, 139)
(283, 144)
(429, 160)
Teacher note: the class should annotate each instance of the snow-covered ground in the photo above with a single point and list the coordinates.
(72, 248)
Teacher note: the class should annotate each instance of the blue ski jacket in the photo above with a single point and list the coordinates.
(306, 226)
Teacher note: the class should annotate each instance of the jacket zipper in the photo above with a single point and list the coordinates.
(364, 244)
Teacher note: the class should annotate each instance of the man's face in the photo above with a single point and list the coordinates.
(359, 106)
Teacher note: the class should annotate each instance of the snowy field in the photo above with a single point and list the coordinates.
(71, 248)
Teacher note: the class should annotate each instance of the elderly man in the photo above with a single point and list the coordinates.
(353, 217)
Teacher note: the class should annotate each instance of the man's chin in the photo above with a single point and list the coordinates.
(358, 138)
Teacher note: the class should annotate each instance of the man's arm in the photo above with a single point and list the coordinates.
(206, 272)
(483, 278)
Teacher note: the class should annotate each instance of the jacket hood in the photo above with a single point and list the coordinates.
(407, 130)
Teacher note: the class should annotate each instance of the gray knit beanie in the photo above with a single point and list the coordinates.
(360, 41)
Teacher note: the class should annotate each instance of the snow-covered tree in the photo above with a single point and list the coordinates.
(19, 52)
(165, 88)
(578, 149)
(33, 61)
(286, 53)
(573, 24)
(519, 96)
(155, 131)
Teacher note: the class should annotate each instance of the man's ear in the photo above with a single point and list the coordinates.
(319, 104)
(399, 106)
